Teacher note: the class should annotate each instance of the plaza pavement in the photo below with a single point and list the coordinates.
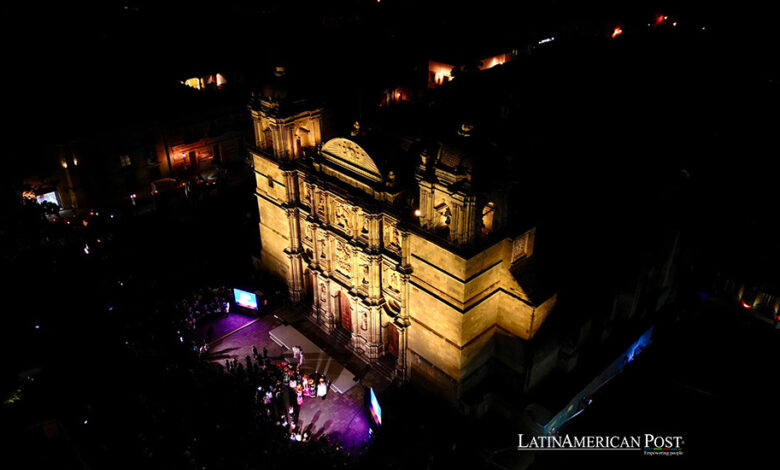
(341, 417)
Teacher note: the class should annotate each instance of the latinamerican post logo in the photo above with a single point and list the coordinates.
(648, 444)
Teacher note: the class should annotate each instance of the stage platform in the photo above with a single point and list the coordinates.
(315, 359)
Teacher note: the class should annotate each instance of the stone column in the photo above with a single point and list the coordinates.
(455, 222)
(403, 322)
(355, 278)
(355, 221)
(375, 277)
(291, 185)
(329, 321)
(406, 248)
(315, 308)
(470, 219)
(426, 204)
(315, 262)
(294, 254)
(276, 136)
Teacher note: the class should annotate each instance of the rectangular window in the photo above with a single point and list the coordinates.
(125, 161)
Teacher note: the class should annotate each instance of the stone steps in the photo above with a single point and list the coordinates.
(385, 367)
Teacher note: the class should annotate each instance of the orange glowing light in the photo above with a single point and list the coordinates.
(417, 213)
(617, 32)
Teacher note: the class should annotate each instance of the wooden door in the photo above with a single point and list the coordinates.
(392, 339)
(346, 311)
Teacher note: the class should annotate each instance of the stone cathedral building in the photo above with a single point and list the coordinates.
(402, 247)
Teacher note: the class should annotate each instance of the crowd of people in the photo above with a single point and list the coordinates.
(203, 305)
(281, 384)
(282, 387)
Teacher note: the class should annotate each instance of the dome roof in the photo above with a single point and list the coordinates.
(277, 88)
(459, 153)
(455, 157)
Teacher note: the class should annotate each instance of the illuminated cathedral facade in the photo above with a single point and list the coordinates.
(404, 255)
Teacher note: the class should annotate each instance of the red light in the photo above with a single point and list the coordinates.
(660, 19)
(155, 191)
(746, 305)
(617, 32)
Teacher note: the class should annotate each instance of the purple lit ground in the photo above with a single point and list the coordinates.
(340, 417)
(223, 326)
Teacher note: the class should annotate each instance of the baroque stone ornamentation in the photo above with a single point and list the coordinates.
(349, 154)
(393, 283)
(341, 217)
(342, 259)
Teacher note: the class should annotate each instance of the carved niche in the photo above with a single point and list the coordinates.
(323, 248)
(343, 260)
(323, 293)
(342, 217)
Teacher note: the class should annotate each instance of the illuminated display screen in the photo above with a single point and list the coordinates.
(48, 197)
(376, 410)
(245, 299)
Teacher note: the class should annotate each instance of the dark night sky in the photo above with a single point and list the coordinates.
(73, 66)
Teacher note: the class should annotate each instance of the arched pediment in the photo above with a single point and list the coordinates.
(349, 155)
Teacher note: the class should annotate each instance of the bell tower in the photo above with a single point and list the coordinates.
(285, 123)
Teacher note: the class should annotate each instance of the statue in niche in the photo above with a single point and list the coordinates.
(321, 207)
(341, 217)
(365, 273)
(394, 281)
(364, 230)
(307, 234)
(323, 293)
(323, 248)
(342, 258)
(364, 320)
(446, 216)
(396, 238)
(307, 195)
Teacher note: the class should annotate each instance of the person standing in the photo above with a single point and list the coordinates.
(322, 388)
